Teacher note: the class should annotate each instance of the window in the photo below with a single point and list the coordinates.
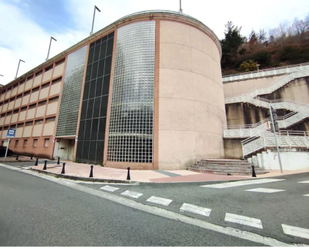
(35, 143)
(25, 143)
(46, 142)
(16, 143)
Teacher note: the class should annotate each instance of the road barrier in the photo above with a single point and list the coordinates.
(63, 168)
(128, 176)
(45, 164)
(91, 171)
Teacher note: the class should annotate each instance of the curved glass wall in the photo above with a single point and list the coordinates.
(131, 118)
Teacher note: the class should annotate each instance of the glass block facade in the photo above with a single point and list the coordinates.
(72, 87)
(131, 119)
(90, 146)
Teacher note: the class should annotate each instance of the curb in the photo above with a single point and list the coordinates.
(78, 178)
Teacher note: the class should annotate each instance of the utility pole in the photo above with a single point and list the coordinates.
(273, 116)
(180, 9)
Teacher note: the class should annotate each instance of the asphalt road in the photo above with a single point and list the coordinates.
(288, 207)
(38, 212)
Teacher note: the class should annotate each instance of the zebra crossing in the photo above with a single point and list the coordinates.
(229, 218)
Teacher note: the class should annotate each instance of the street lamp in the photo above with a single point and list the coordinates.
(273, 116)
(51, 38)
(20, 60)
(95, 8)
(180, 9)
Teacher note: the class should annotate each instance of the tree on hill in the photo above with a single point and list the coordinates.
(231, 43)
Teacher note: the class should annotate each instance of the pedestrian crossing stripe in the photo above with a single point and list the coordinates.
(304, 182)
(132, 194)
(159, 200)
(243, 220)
(195, 209)
(109, 188)
(265, 190)
(240, 183)
(296, 231)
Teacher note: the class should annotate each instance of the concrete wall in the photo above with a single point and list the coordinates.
(243, 113)
(191, 100)
(240, 87)
(297, 90)
(233, 148)
(291, 160)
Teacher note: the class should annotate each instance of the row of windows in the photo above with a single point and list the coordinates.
(32, 81)
(34, 143)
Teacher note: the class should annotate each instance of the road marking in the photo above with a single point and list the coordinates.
(109, 188)
(241, 183)
(296, 231)
(306, 195)
(159, 200)
(160, 212)
(265, 190)
(195, 209)
(132, 194)
(243, 220)
(304, 182)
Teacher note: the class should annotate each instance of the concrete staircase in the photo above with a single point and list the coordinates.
(225, 167)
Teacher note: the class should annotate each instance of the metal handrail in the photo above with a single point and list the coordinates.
(248, 126)
(266, 70)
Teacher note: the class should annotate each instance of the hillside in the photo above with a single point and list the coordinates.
(284, 46)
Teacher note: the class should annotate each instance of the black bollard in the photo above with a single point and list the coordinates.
(17, 157)
(128, 176)
(36, 162)
(31, 157)
(63, 169)
(253, 171)
(91, 171)
(58, 162)
(45, 164)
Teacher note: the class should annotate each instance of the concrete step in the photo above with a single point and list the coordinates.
(225, 167)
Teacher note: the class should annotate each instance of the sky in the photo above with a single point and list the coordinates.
(27, 25)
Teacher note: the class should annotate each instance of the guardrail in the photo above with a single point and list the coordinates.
(270, 89)
(286, 139)
(264, 72)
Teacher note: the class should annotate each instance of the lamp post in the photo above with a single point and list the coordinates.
(273, 120)
(95, 8)
(20, 60)
(51, 38)
(180, 9)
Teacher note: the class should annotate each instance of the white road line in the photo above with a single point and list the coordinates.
(304, 182)
(109, 188)
(159, 200)
(132, 194)
(265, 190)
(296, 231)
(243, 220)
(237, 233)
(195, 209)
(306, 195)
(241, 183)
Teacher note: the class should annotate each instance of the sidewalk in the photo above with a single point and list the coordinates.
(79, 170)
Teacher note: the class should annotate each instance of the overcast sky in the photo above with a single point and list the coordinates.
(26, 25)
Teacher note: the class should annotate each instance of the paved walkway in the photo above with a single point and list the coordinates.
(159, 176)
